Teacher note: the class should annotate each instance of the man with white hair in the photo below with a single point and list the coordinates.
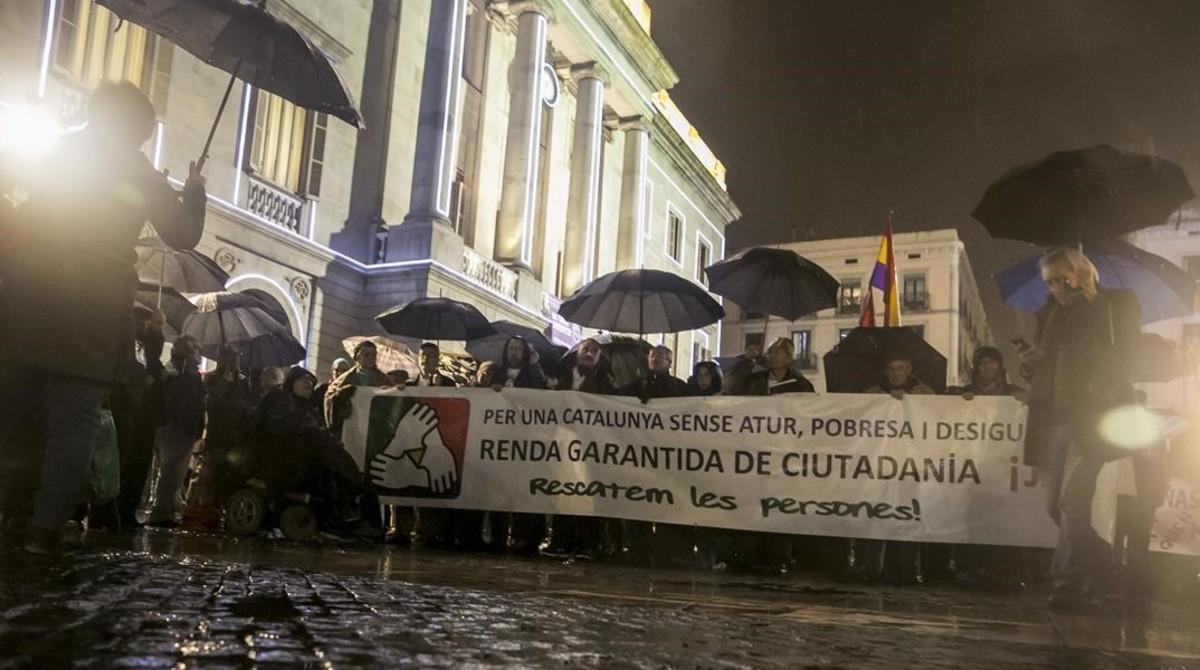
(1080, 369)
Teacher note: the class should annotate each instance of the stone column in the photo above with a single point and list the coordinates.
(437, 124)
(358, 238)
(583, 210)
(518, 195)
(631, 224)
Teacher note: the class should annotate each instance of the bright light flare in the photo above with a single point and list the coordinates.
(27, 133)
(1131, 427)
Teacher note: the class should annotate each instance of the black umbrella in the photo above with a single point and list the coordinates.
(778, 282)
(491, 348)
(186, 271)
(174, 306)
(436, 319)
(277, 347)
(229, 318)
(642, 301)
(856, 363)
(246, 41)
(1071, 197)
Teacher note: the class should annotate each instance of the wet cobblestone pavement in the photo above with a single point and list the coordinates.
(174, 600)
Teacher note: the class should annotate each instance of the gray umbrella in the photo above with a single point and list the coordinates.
(229, 318)
(642, 301)
(246, 41)
(186, 271)
(174, 306)
(275, 348)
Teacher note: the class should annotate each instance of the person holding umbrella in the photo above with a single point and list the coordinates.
(429, 359)
(1080, 369)
(74, 240)
(898, 377)
(659, 382)
(181, 418)
(516, 369)
(770, 375)
(365, 372)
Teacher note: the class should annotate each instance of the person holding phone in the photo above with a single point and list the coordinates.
(1079, 370)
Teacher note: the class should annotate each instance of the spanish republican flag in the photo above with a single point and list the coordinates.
(884, 278)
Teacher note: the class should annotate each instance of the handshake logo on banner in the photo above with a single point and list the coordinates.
(415, 446)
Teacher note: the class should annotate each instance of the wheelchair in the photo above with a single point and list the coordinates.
(277, 490)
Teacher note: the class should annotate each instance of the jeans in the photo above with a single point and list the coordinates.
(72, 422)
(1081, 557)
(162, 498)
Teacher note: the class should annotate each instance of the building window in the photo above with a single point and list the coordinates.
(802, 342)
(752, 340)
(1191, 265)
(474, 67)
(288, 147)
(850, 296)
(916, 298)
(91, 48)
(703, 258)
(674, 235)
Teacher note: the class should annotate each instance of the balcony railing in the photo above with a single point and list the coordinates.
(490, 273)
(916, 303)
(276, 205)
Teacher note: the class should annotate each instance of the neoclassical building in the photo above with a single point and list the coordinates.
(512, 152)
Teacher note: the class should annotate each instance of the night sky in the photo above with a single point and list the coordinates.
(828, 113)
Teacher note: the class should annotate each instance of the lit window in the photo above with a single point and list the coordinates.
(288, 148)
(850, 296)
(93, 46)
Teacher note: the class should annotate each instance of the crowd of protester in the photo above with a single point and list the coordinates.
(284, 427)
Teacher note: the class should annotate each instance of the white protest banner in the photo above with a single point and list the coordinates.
(930, 469)
(1176, 527)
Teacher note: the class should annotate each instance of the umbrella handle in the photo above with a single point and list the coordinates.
(162, 271)
(220, 112)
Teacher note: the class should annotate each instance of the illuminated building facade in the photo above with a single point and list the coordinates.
(512, 152)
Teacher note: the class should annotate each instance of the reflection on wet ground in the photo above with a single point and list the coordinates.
(163, 599)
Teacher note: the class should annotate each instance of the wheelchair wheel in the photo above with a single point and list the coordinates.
(245, 512)
(298, 523)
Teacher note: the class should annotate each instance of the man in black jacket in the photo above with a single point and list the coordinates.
(659, 382)
(1080, 370)
(180, 399)
(589, 372)
(67, 266)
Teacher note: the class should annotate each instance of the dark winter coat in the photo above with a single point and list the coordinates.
(67, 256)
(745, 380)
(598, 380)
(529, 377)
(1087, 370)
(658, 385)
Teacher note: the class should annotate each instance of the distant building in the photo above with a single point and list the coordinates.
(1179, 243)
(938, 297)
(512, 152)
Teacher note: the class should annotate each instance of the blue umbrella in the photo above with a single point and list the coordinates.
(1164, 290)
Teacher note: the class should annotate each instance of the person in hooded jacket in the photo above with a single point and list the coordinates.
(705, 380)
(295, 450)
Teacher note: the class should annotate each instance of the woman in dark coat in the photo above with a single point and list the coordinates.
(705, 379)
